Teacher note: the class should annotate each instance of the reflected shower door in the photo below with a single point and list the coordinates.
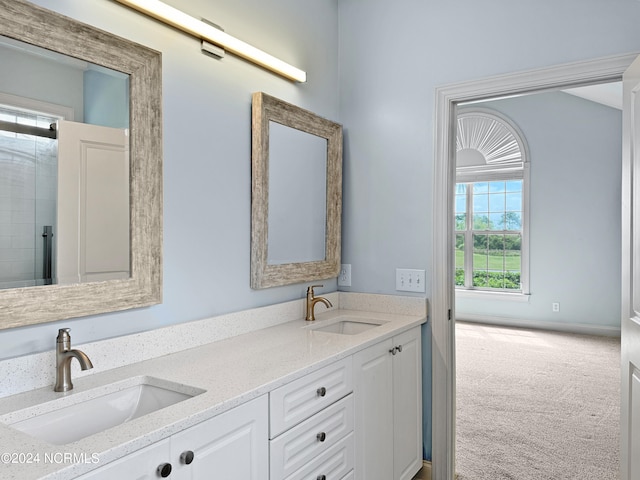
(28, 179)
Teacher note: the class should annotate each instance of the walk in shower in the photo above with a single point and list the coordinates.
(28, 192)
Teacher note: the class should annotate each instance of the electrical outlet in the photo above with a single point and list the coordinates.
(410, 280)
(555, 307)
(344, 278)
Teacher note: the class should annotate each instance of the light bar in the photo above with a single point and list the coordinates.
(188, 24)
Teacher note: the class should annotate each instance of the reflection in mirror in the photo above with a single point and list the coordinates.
(296, 194)
(64, 185)
(297, 170)
(116, 88)
(27, 199)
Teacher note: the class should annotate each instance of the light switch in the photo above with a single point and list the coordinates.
(410, 280)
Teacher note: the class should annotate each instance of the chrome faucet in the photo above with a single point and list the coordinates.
(311, 303)
(64, 354)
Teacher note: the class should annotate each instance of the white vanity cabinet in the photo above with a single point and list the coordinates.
(311, 426)
(388, 408)
(358, 418)
(230, 446)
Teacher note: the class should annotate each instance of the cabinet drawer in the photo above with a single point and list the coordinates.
(298, 400)
(299, 446)
(334, 464)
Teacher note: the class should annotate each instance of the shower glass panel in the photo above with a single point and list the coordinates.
(28, 191)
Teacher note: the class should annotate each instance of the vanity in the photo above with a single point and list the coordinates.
(332, 399)
(254, 395)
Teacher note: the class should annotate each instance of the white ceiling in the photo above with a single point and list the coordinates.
(609, 94)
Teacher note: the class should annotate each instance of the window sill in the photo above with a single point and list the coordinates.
(499, 296)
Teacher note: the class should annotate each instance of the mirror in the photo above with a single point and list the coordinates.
(296, 201)
(64, 169)
(305, 220)
(141, 285)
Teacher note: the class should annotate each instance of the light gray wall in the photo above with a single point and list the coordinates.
(106, 99)
(575, 151)
(95, 95)
(207, 153)
(392, 57)
(42, 79)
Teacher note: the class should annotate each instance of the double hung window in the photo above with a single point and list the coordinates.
(490, 206)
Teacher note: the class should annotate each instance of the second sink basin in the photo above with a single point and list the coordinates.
(346, 325)
(108, 407)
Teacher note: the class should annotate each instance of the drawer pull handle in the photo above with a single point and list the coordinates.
(164, 470)
(393, 351)
(321, 477)
(399, 347)
(321, 392)
(321, 436)
(186, 457)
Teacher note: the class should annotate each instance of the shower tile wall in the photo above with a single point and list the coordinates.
(27, 203)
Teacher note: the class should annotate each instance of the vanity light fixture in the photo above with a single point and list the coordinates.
(188, 24)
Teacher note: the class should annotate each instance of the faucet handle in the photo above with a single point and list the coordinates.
(310, 289)
(63, 335)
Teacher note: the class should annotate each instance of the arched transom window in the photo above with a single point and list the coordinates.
(491, 204)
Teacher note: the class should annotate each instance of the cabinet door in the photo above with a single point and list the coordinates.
(407, 405)
(373, 395)
(232, 446)
(139, 465)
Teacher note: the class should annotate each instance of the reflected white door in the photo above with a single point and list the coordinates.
(630, 401)
(93, 203)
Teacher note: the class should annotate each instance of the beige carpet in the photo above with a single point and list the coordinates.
(536, 405)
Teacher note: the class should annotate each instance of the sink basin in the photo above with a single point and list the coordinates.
(98, 409)
(346, 325)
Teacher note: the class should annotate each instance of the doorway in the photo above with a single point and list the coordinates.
(575, 175)
(443, 308)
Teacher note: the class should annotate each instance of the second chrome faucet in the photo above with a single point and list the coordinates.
(311, 303)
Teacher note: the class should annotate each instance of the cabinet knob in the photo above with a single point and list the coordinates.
(393, 351)
(321, 436)
(321, 392)
(399, 347)
(321, 477)
(186, 457)
(164, 470)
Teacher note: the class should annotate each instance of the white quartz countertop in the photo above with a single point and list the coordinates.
(231, 371)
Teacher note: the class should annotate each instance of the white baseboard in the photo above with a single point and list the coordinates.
(580, 328)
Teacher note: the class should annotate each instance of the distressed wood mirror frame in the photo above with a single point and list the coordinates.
(32, 24)
(266, 108)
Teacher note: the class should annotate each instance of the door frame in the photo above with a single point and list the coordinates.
(601, 70)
